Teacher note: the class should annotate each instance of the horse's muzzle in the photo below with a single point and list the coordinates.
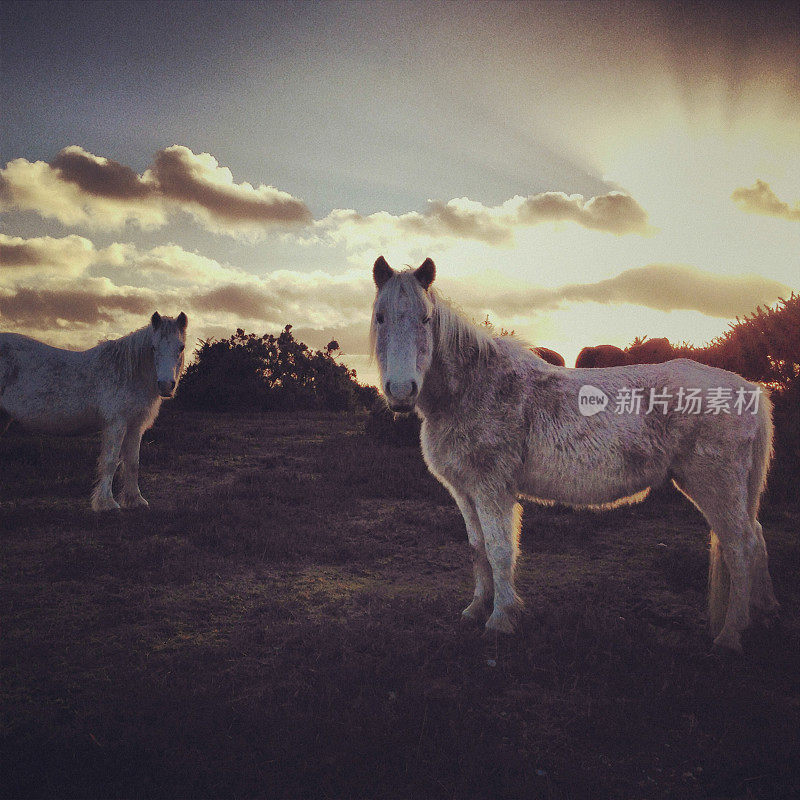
(404, 397)
(405, 407)
(166, 389)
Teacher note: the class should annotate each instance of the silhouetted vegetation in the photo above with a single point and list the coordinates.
(251, 372)
(765, 347)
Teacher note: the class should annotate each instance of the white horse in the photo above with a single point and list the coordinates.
(498, 422)
(115, 388)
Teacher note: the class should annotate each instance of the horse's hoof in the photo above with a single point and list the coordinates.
(500, 623)
(134, 502)
(105, 505)
(475, 612)
(728, 641)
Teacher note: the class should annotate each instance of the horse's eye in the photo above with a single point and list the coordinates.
(426, 319)
(379, 319)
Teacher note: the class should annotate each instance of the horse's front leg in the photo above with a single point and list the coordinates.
(131, 497)
(500, 518)
(102, 498)
(484, 590)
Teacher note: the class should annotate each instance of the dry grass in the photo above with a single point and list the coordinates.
(283, 623)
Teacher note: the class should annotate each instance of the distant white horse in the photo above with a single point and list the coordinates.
(499, 422)
(115, 388)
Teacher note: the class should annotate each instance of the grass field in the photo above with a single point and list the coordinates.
(284, 622)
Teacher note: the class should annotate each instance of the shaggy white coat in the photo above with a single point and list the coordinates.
(115, 388)
(498, 423)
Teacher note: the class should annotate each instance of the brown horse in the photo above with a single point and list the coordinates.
(604, 355)
(550, 356)
(650, 351)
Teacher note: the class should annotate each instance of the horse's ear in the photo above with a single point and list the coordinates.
(182, 321)
(425, 273)
(381, 272)
(155, 320)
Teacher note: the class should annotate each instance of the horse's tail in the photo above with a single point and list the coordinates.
(761, 455)
(719, 584)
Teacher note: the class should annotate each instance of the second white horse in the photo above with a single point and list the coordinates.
(116, 388)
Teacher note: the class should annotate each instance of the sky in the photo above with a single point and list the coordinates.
(582, 173)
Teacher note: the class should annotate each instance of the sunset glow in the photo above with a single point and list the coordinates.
(582, 173)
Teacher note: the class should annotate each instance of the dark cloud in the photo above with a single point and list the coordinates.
(183, 176)
(664, 287)
(44, 256)
(101, 177)
(245, 301)
(615, 212)
(21, 255)
(760, 199)
(41, 309)
(78, 187)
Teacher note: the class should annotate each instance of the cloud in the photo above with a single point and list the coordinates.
(39, 187)
(48, 258)
(616, 212)
(41, 270)
(169, 264)
(78, 187)
(461, 218)
(208, 191)
(250, 302)
(312, 299)
(68, 256)
(664, 287)
(49, 284)
(71, 306)
(760, 199)
(100, 177)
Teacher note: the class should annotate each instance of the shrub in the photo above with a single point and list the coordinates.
(251, 372)
(765, 347)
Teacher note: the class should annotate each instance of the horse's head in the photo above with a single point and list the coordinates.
(168, 338)
(401, 330)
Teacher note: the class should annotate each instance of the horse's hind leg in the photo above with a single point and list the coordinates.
(102, 499)
(722, 500)
(500, 518)
(737, 546)
(480, 562)
(131, 497)
(762, 595)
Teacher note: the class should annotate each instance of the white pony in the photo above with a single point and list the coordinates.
(115, 388)
(499, 422)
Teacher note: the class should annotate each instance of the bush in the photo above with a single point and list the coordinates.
(251, 372)
(765, 347)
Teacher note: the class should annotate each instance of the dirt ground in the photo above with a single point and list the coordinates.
(284, 622)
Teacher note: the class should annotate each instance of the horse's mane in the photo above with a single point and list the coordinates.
(456, 333)
(127, 355)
